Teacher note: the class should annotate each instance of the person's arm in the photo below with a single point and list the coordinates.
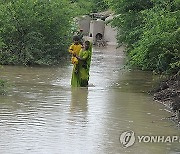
(71, 49)
(84, 56)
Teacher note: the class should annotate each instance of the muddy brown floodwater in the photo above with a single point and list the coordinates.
(42, 114)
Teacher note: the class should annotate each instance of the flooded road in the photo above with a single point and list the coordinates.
(42, 114)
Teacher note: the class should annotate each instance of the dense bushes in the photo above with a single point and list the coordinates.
(150, 30)
(34, 31)
(99, 5)
(39, 32)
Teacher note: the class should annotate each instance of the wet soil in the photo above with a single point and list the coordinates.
(168, 93)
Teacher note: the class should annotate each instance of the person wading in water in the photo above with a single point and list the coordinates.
(81, 59)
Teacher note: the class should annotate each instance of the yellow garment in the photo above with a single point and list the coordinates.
(74, 60)
(75, 49)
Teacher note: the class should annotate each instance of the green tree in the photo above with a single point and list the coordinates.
(99, 5)
(150, 30)
(158, 48)
(89, 6)
(129, 20)
(34, 31)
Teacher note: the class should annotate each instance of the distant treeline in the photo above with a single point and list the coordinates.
(151, 31)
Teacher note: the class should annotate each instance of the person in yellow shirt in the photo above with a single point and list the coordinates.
(76, 46)
(74, 50)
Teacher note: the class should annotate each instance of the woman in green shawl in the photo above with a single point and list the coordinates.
(81, 77)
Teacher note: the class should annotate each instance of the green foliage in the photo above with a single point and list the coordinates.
(81, 7)
(158, 48)
(34, 31)
(99, 5)
(150, 29)
(88, 6)
(129, 20)
(39, 32)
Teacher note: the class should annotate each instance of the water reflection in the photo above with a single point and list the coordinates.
(79, 100)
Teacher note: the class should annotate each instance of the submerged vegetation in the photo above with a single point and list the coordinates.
(3, 87)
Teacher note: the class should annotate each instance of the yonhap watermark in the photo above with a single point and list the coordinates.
(128, 138)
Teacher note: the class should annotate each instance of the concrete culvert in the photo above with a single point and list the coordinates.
(99, 36)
